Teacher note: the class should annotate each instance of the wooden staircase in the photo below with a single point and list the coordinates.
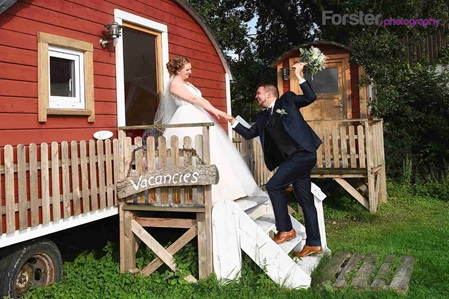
(248, 224)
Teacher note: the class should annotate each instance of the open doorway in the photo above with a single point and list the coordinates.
(142, 70)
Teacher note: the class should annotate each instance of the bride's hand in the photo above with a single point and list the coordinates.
(219, 114)
(228, 117)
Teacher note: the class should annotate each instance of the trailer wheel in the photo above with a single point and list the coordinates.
(37, 264)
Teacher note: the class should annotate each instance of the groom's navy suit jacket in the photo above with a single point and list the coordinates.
(293, 123)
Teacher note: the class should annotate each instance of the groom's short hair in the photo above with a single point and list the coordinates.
(271, 89)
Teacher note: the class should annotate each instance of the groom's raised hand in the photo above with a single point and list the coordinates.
(297, 69)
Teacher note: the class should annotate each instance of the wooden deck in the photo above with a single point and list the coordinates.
(147, 183)
(50, 187)
(43, 185)
(46, 183)
(352, 154)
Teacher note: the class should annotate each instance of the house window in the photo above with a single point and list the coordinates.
(65, 78)
(325, 81)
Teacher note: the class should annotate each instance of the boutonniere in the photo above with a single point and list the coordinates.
(281, 111)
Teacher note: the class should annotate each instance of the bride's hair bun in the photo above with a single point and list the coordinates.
(176, 64)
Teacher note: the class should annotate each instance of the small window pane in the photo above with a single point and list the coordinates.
(325, 81)
(62, 77)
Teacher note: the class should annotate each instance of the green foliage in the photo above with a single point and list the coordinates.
(432, 189)
(406, 225)
(411, 96)
(414, 108)
(281, 26)
(226, 20)
(248, 75)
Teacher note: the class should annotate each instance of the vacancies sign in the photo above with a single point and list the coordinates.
(176, 176)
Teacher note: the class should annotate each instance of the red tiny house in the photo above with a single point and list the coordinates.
(339, 92)
(84, 21)
(53, 174)
(352, 152)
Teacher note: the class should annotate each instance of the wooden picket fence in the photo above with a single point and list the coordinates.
(351, 149)
(140, 156)
(41, 183)
(45, 183)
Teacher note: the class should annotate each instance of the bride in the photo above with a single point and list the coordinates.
(183, 103)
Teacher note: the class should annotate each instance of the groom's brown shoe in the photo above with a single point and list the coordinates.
(308, 250)
(282, 237)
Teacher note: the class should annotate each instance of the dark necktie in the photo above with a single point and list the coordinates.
(269, 114)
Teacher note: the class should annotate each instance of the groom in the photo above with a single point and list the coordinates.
(289, 144)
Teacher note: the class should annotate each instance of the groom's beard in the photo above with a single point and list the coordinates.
(261, 102)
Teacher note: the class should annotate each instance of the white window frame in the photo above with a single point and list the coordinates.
(78, 101)
(84, 50)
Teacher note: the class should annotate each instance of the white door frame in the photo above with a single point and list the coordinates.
(121, 16)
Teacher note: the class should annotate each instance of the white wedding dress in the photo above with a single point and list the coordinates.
(235, 179)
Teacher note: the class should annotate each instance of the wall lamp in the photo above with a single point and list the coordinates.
(285, 73)
(113, 32)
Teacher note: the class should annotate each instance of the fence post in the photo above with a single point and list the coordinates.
(205, 218)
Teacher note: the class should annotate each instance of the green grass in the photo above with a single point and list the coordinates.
(406, 225)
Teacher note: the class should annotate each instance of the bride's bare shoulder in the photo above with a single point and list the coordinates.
(176, 84)
(191, 86)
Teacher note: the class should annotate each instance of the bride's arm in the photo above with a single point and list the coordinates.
(179, 90)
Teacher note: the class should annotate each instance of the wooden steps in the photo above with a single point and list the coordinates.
(248, 224)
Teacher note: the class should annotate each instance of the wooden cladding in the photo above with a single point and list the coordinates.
(429, 48)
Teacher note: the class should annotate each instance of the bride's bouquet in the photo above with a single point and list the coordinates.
(314, 60)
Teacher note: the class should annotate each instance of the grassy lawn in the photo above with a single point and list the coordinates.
(406, 225)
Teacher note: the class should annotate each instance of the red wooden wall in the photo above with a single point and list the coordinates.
(84, 20)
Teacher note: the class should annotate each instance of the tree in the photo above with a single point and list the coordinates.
(281, 24)
(411, 96)
(227, 20)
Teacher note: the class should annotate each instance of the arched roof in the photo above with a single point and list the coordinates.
(5, 4)
(310, 44)
(209, 34)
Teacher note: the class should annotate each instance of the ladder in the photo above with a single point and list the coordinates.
(248, 224)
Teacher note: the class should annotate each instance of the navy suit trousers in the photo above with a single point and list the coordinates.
(295, 170)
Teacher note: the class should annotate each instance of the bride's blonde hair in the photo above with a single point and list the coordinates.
(176, 64)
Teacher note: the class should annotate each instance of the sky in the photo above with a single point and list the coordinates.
(252, 25)
(252, 30)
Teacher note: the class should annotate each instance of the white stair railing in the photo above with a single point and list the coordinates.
(246, 224)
